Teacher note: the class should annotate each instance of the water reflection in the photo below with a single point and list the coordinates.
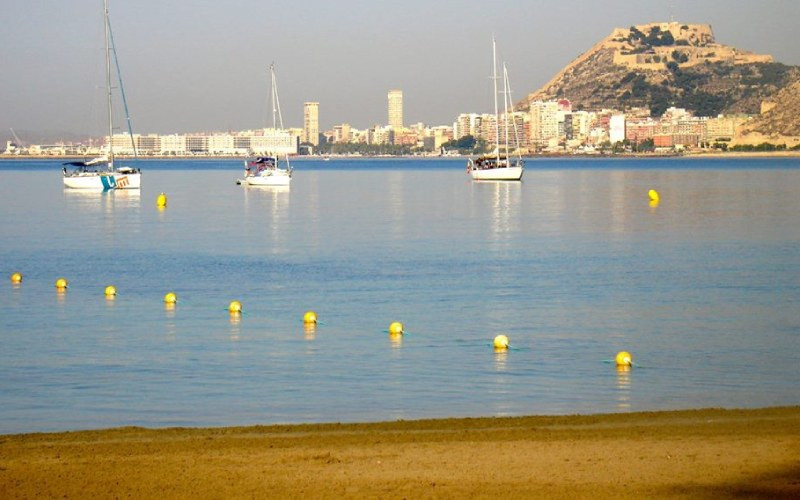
(396, 340)
(504, 207)
(396, 203)
(270, 203)
(236, 327)
(500, 360)
(623, 387)
(170, 326)
(309, 331)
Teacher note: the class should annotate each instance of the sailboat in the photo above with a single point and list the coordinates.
(100, 173)
(499, 166)
(267, 170)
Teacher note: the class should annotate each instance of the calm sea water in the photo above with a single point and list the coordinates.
(572, 264)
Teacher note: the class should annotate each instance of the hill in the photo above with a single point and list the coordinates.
(779, 122)
(659, 65)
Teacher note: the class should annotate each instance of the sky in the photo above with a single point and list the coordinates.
(202, 65)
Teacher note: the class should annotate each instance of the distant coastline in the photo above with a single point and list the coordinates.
(690, 155)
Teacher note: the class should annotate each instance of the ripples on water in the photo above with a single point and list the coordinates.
(572, 264)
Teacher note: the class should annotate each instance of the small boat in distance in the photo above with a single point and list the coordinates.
(266, 170)
(497, 166)
(90, 174)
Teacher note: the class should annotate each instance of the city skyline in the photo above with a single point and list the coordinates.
(206, 67)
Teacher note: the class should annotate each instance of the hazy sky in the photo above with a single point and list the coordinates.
(201, 65)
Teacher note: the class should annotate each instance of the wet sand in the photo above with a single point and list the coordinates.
(696, 454)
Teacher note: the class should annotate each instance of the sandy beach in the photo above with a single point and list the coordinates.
(698, 454)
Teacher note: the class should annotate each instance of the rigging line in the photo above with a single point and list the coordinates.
(121, 87)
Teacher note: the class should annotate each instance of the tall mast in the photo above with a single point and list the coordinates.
(276, 103)
(496, 115)
(272, 93)
(108, 90)
(506, 96)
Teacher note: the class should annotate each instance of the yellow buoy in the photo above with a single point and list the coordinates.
(161, 201)
(170, 298)
(624, 358)
(16, 278)
(110, 291)
(500, 342)
(235, 307)
(396, 328)
(310, 317)
(653, 194)
(61, 283)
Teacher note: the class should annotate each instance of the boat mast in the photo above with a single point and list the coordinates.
(276, 102)
(108, 90)
(513, 121)
(496, 115)
(276, 106)
(506, 98)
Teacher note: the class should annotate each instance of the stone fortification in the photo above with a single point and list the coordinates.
(651, 46)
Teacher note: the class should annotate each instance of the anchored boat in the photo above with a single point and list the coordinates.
(100, 173)
(497, 166)
(267, 170)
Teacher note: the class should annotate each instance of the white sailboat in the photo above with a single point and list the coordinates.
(267, 170)
(100, 173)
(499, 166)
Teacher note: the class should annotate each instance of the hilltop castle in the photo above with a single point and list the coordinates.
(651, 46)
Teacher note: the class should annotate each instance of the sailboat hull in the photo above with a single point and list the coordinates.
(103, 181)
(272, 178)
(497, 174)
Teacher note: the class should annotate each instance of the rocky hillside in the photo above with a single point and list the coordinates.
(669, 64)
(778, 124)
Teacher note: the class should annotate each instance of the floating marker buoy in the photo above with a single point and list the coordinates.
(623, 358)
(500, 342)
(61, 283)
(235, 307)
(310, 317)
(653, 194)
(161, 201)
(110, 291)
(396, 328)
(170, 298)
(16, 278)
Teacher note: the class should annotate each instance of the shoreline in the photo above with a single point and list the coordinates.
(687, 453)
(687, 155)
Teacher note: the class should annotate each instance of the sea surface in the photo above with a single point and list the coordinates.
(573, 264)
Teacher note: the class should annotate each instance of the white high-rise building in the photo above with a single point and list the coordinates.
(311, 123)
(395, 98)
(543, 123)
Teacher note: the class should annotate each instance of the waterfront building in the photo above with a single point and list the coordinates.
(395, 108)
(543, 123)
(380, 135)
(173, 145)
(197, 144)
(517, 136)
(273, 141)
(467, 124)
(616, 128)
(123, 143)
(723, 128)
(148, 145)
(441, 135)
(640, 130)
(221, 144)
(311, 123)
(341, 133)
(581, 123)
